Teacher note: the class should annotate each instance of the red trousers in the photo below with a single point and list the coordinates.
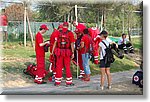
(63, 60)
(80, 63)
(95, 54)
(41, 71)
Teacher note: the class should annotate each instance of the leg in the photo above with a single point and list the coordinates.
(80, 65)
(83, 62)
(6, 35)
(40, 69)
(129, 45)
(102, 77)
(67, 61)
(123, 46)
(95, 57)
(59, 66)
(87, 67)
(109, 79)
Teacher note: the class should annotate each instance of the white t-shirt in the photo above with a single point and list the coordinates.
(109, 40)
(103, 47)
(120, 41)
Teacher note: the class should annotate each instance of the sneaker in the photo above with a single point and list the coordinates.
(56, 84)
(102, 87)
(109, 87)
(126, 52)
(43, 82)
(131, 51)
(72, 84)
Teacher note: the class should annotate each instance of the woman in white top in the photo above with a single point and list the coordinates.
(105, 68)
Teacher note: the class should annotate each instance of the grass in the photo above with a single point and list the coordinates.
(137, 42)
(16, 50)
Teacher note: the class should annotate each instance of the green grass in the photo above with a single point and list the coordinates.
(17, 50)
(137, 42)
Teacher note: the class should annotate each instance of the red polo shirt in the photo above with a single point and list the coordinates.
(4, 21)
(86, 41)
(39, 49)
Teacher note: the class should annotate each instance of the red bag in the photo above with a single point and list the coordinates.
(31, 70)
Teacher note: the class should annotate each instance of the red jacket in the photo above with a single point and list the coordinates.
(39, 49)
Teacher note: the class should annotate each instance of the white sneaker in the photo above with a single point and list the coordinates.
(102, 87)
(109, 87)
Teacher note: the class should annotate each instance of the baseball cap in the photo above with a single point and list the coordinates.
(44, 26)
(60, 26)
(65, 24)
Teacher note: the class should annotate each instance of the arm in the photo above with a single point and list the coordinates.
(54, 47)
(72, 50)
(82, 45)
(42, 44)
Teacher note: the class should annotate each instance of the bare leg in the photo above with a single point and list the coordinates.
(6, 36)
(109, 78)
(102, 76)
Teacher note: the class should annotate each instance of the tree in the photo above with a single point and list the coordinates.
(15, 12)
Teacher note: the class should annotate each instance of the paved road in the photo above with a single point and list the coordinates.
(121, 84)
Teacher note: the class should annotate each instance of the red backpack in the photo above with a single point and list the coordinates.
(31, 70)
(63, 41)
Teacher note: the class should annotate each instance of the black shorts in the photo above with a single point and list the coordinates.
(103, 65)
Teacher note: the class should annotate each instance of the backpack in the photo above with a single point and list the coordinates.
(109, 58)
(63, 41)
(31, 70)
(137, 79)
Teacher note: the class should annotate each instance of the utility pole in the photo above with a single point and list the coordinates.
(25, 26)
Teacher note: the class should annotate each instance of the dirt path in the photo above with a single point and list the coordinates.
(121, 84)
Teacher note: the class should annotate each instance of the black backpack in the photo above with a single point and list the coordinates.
(109, 57)
(137, 79)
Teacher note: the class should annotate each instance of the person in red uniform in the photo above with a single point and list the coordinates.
(40, 54)
(77, 44)
(79, 25)
(3, 25)
(52, 58)
(93, 33)
(64, 50)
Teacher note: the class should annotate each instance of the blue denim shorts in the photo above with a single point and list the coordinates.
(103, 65)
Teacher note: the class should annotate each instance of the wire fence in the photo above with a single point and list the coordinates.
(16, 29)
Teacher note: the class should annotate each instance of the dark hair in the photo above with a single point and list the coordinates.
(41, 29)
(3, 10)
(104, 33)
(86, 31)
(123, 34)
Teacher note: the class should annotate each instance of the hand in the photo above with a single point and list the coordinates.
(47, 42)
(116, 46)
(72, 56)
(77, 48)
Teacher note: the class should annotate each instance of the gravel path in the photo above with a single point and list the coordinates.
(121, 84)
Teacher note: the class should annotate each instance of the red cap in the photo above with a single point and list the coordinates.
(44, 26)
(65, 24)
(60, 26)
